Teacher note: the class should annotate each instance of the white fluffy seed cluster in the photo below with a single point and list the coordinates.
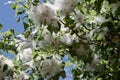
(25, 56)
(47, 12)
(65, 6)
(50, 67)
(41, 13)
(5, 62)
(95, 66)
(24, 48)
(21, 76)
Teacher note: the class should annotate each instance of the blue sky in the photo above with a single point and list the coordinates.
(8, 18)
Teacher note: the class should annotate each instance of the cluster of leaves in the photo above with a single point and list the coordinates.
(107, 48)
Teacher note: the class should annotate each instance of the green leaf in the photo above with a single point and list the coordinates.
(12, 31)
(75, 74)
(13, 6)
(25, 25)
(112, 1)
(1, 26)
(18, 20)
(11, 51)
(1, 45)
(63, 74)
(69, 22)
(53, 29)
(18, 12)
(98, 5)
(35, 55)
(27, 33)
(8, 34)
(19, 0)
(5, 67)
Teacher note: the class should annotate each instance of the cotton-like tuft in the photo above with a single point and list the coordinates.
(65, 6)
(42, 13)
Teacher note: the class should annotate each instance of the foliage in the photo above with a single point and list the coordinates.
(86, 31)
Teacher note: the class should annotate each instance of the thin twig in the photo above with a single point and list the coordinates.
(23, 5)
(83, 25)
(84, 40)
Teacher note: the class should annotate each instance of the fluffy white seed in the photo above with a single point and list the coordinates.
(65, 6)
